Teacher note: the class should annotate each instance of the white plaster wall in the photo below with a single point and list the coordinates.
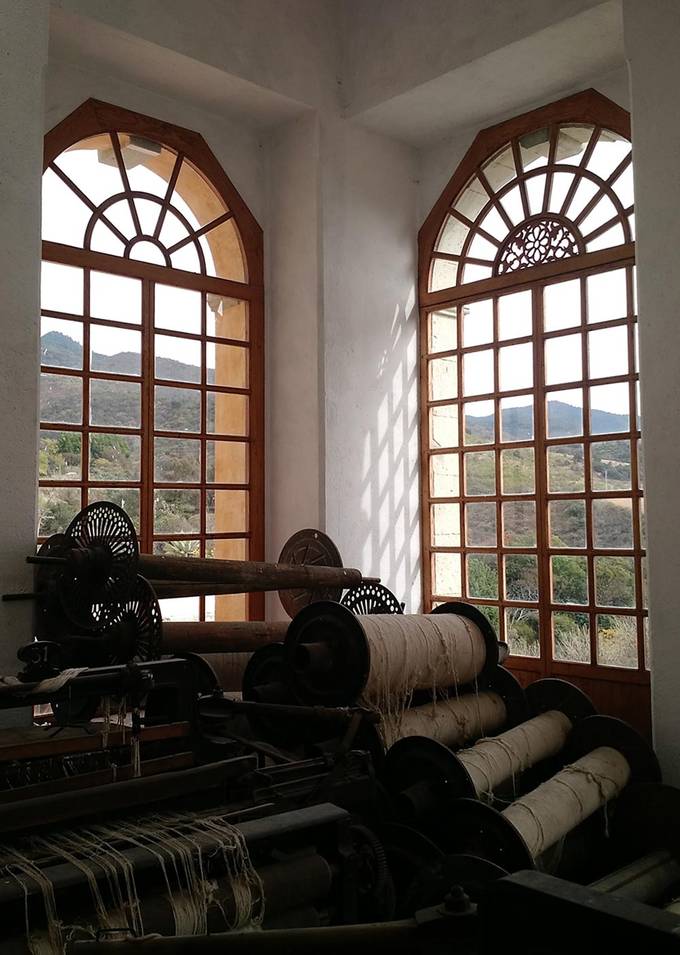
(370, 345)
(294, 409)
(290, 46)
(394, 45)
(23, 56)
(652, 33)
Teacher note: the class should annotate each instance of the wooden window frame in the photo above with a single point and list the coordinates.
(587, 108)
(93, 118)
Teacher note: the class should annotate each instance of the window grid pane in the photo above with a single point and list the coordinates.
(566, 587)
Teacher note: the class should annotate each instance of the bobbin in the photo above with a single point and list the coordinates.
(328, 654)
(475, 827)
(553, 694)
(507, 686)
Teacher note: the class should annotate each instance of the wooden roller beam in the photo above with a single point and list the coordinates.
(249, 575)
(209, 636)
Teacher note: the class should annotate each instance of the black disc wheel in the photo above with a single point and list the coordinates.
(135, 628)
(371, 598)
(102, 564)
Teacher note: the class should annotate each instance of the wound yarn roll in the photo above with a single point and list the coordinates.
(453, 722)
(492, 762)
(553, 809)
(420, 651)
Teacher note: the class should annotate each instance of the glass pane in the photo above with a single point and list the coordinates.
(516, 367)
(57, 506)
(565, 413)
(115, 404)
(613, 523)
(181, 609)
(562, 305)
(177, 409)
(446, 525)
(446, 575)
(615, 581)
(226, 512)
(478, 373)
(477, 323)
(60, 456)
(61, 343)
(512, 203)
(521, 577)
(115, 297)
(517, 418)
(177, 512)
(183, 548)
(443, 378)
(226, 462)
(125, 497)
(444, 475)
(482, 575)
(474, 273)
(609, 409)
(565, 468)
(443, 330)
(443, 274)
(567, 523)
(472, 199)
(227, 365)
(517, 467)
(569, 579)
(617, 640)
(64, 216)
(521, 632)
(61, 288)
(608, 352)
(61, 399)
(514, 315)
(114, 457)
(585, 191)
(478, 417)
(610, 463)
(536, 193)
(177, 359)
(607, 296)
(494, 224)
(480, 525)
(481, 248)
(115, 350)
(480, 473)
(561, 184)
(609, 238)
(227, 317)
(610, 150)
(228, 414)
(443, 426)
(500, 169)
(519, 524)
(623, 186)
(452, 236)
(571, 637)
(177, 460)
(178, 309)
(563, 360)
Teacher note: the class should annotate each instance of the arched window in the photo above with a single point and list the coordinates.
(532, 501)
(151, 342)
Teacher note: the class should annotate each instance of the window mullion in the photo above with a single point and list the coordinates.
(147, 489)
(541, 475)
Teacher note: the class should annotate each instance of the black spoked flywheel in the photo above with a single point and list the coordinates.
(371, 598)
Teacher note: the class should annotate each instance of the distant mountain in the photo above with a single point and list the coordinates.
(565, 420)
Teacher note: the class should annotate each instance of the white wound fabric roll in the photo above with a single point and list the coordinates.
(453, 722)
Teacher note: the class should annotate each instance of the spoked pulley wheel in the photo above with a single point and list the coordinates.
(135, 628)
(370, 598)
(101, 565)
(309, 547)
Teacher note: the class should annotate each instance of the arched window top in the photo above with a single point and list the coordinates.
(140, 197)
(549, 192)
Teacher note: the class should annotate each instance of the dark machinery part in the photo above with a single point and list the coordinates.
(552, 694)
(536, 913)
(328, 657)
(371, 598)
(311, 548)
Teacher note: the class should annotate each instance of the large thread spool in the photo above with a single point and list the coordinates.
(336, 657)
(423, 775)
(499, 701)
(610, 755)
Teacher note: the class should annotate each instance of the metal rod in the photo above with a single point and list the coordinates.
(28, 596)
(217, 707)
(44, 559)
(210, 636)
(252, 575)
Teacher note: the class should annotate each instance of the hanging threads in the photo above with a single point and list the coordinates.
(453, 722)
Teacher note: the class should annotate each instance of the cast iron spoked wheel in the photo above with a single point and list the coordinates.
(314, 548)
(375, 889)
(102, 564)
(371, 598)
(135, 628)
